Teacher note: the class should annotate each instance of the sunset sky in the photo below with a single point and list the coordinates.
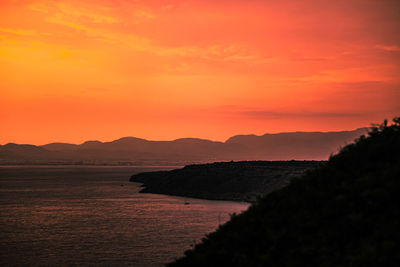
(79, 70)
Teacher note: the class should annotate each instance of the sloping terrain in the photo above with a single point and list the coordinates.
(243, 181)
(344, 213)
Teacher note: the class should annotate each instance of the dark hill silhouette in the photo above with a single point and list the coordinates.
(240, 181)
(60, 147)
(23, 152)
(344, 213)
(282, 146)
(295, 145)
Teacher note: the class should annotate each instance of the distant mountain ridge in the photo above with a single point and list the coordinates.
(280, 146)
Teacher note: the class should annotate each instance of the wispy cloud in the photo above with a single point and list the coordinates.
(80, 12)
(143, 14)
(18, 31)
(275, 115)
(391, 48)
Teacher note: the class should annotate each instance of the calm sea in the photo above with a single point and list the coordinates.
(69, 215)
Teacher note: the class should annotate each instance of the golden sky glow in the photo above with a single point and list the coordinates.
(77, 70)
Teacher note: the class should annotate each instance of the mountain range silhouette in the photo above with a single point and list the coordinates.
(280, 146)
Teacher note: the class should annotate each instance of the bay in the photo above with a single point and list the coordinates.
(91, 215)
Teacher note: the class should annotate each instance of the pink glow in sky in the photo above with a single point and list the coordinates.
(77, 70)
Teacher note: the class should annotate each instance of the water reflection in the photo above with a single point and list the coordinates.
(83, 216)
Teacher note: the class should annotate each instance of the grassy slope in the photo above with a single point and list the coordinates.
(346, 213)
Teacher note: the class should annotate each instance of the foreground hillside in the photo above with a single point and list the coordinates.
(241, 181)
(345, 213)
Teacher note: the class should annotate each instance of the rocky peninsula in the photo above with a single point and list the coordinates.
(237, 181)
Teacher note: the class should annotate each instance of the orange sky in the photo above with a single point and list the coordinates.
(71, 71)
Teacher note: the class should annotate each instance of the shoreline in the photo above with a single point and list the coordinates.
(242, 181)
(242, 199)
(85, 165)
(191, 197)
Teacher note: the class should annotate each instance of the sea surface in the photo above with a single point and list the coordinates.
(93, 216)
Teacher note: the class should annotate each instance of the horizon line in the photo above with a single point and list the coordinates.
(180, 138)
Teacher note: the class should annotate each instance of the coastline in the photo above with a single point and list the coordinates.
(242, 181)
(248, 198)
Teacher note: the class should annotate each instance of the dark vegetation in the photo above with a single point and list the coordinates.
(242, 181)
(344, 213)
